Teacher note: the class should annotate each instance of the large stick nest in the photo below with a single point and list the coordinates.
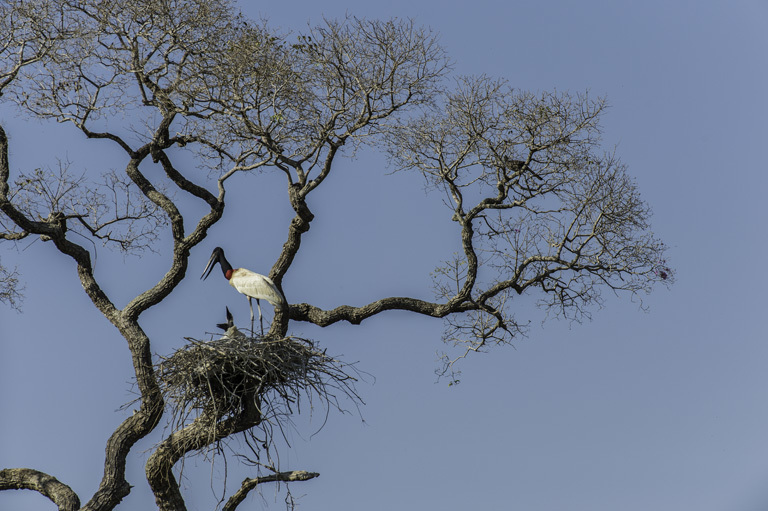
(227, 376)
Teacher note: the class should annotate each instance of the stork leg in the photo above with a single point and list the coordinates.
(258, 305)
(250, 304)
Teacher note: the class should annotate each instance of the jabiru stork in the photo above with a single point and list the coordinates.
(251, 284)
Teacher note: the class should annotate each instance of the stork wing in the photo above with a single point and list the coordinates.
(256, 286)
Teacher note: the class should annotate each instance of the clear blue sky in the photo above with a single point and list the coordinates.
(634, 411)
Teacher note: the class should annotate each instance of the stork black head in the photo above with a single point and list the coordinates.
(216, 257)
(230, 321)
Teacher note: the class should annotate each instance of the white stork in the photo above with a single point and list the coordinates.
(251, 284)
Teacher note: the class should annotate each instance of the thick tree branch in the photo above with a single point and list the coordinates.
(54, 229)
(114, 487)
(356, 315)
(184, 183)
(203, 431)
(181, 244)
(48, 486)
(13, 236)
(251, 483)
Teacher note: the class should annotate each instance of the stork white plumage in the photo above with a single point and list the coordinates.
(251, 284)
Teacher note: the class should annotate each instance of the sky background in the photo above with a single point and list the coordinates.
(662, 410)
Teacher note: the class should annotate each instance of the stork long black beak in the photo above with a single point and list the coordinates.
(211, 263)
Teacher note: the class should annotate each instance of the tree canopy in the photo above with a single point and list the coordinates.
(542, 211)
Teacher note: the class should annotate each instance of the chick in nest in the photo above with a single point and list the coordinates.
(230, 330)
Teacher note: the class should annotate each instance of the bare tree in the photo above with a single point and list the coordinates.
(538, 205)
(540, 209)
